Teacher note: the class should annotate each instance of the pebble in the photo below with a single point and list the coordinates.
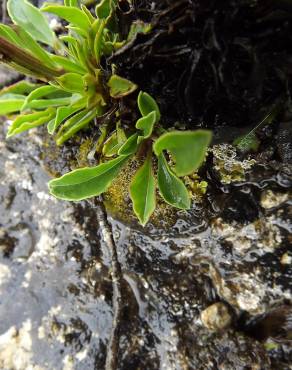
(216, 317)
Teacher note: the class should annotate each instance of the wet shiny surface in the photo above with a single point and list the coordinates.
(56, 291)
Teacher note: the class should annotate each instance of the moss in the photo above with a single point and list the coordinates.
(119, 204)
(197, 188)
(82, 154)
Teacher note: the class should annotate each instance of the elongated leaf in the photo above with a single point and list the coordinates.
(142, 191)
(22, 88)
(120, 87)
(30, 44)
(188, 149)
(72, 15)
(103, 9)
(68, 65)
(75, 124)
(10, 103)
(171, 188)
(147, 105)
(122, 138)
(21, 59)
(99, 39)
(27, 121)
(87, 13)
(62, 114)
(39, 93)
(9, 34)
(45, 103)
(72, 82)
(68, 39)
(130, 146)
(87, 182)
(111, 146)
(146, 124)
(83, 57)
(25, 15)
(71, 3)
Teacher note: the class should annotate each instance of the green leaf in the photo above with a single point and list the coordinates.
(10, 103)
(138, 27)
(21, 59)
(68, 65)
(72, 15)
(30, 44)
(147, 105)
(22, 87)
(103, 9)
(120, 87)
(122, 138)
(142, 191)
(188, 149)
(87, 13)
(32, 20)
(171, 188)
(27, 121)
(87, 182)
(62, 114)
(99, 39)
(130, 146)
(45, 103)
(71, 3)
(39, 93)
(112, 145)
(72, 82)
(146, 124)
(68, 39)
(9, 34)
(75, 124)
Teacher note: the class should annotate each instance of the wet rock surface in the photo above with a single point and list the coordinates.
(56, 290)
(53, 315)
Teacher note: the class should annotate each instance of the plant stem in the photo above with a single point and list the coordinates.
(9, 52)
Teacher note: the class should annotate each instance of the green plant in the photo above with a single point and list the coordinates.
(76, 90)
(186, 148)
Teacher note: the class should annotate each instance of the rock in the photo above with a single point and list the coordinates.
(63, 283)
(284, 143)
(270, 199)
(286, 259)
(5, 274)
(42, 283)
(275, 324)
(216, 317)
(15, 349)
(7, 75)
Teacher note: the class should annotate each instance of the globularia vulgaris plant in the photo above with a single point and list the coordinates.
(75, 90)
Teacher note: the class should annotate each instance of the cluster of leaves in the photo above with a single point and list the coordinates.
(186, 148)
(76, 90)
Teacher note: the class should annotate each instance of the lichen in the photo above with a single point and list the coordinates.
(228, 166)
